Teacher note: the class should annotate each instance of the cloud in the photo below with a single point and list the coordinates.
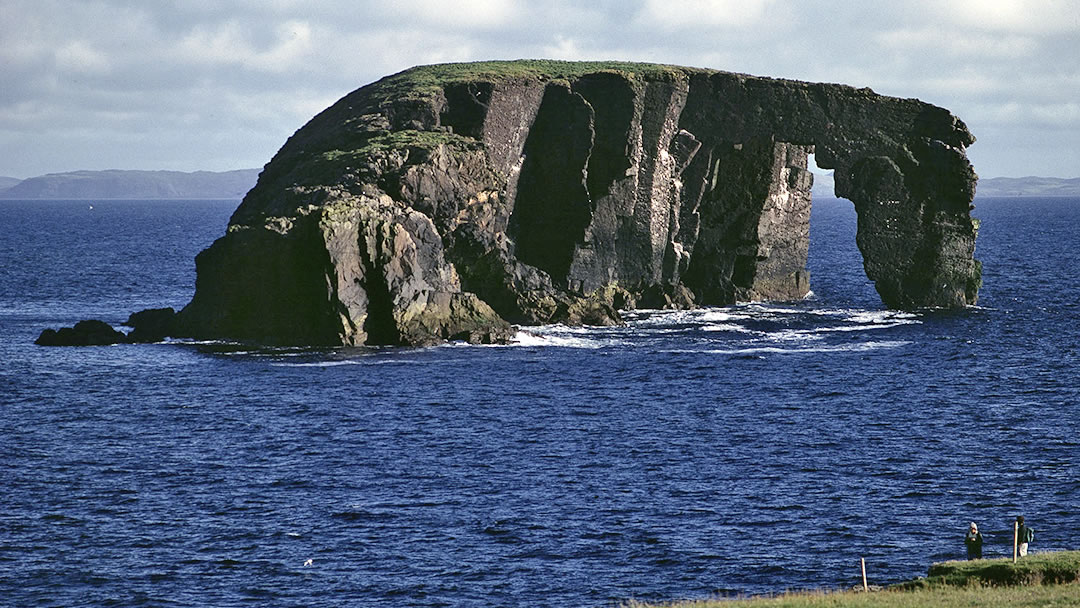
(235, 43)
(672, 14)
(1036, 116)
(1038, 17)
(461, 14)
(937, 40)
(158, 84)
(77, 56)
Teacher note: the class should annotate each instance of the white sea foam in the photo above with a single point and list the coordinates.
(730, 327)
(366, 360)
(650, 318)
(881, 316)
(759, 308)
(869, 327)
(780, 350)
(795, 335)
(562, 336)
(642, 325)
(337, 363)
(531, 338)
(720, 316)
(661, 319)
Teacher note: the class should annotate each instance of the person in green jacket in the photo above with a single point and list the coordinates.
(1024, 536)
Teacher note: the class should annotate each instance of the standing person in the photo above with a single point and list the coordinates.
(974, 541)
(1024, 535)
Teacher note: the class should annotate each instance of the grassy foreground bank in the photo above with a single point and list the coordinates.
(1041, 579)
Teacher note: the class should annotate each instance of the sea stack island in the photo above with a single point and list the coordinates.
(448, 202)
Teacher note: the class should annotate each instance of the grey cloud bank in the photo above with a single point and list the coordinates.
(216, 86)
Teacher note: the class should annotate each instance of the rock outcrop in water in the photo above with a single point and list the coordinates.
(446, 202)
(90, 332)
(152, 325)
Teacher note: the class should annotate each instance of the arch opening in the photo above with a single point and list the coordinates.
(835, 263)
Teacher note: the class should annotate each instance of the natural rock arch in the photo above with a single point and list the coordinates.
(444, 201)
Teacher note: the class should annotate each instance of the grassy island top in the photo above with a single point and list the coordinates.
(539, 69)
(421, 84)
(427, 79)
(1041, 579)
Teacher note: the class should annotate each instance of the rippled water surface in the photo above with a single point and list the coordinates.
(732, 450)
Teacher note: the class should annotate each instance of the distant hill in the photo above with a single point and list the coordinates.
(7, 182)
(1028, 186)
(134, 185)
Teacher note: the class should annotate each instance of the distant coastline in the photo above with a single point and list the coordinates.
(988, 187)
(120, 184)
(1027, 186)
(130, 184)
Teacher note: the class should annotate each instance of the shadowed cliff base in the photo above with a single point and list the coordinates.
(448, 201)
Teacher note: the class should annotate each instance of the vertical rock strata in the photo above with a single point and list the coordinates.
(446, 202)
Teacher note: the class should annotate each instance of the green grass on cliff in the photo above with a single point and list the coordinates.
(396, 140)
(1041, 579)
(329, 166)
(427, 79)
(1058, 567)
(422, 82)
(419, 85)
(947, 597)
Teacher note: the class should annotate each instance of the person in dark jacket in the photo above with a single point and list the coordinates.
(974, 541)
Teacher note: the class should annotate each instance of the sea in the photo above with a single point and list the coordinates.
(717, 452)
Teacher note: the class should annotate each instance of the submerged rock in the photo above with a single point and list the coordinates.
(448, 201)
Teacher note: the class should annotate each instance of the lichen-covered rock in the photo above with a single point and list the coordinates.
(353, 270)
(446, 201)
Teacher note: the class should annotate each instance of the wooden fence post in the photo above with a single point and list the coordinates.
(1016, 539)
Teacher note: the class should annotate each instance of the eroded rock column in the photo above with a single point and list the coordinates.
(754, 224)
(784, 228)
(915, 230)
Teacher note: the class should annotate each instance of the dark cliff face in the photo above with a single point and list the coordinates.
(444, 201)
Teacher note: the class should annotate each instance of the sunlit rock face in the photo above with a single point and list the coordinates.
(448, 201)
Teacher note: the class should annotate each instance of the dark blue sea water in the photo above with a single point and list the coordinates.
(736, 450)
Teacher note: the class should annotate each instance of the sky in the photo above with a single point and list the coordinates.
(217, 85)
